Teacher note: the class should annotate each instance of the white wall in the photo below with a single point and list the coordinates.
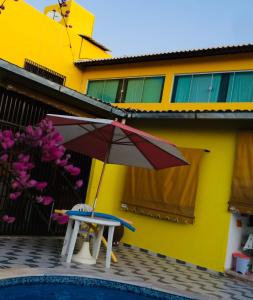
(236, 236)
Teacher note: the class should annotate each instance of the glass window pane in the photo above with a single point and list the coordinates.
(95, 89)
(110, 91)
(223, 90)
(240, 87)
(182, 85)
(200, 88)
(134, 90)
(230, 86)
(152, 90)
(215, 88)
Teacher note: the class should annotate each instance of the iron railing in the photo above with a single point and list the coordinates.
(44, 72)
(17, 111)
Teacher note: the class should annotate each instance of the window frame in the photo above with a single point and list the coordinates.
(123, 83)
(173, 93)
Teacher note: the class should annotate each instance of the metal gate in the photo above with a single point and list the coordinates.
(17, 111)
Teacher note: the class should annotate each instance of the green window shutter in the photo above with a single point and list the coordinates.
(95, 89)
(134, 90)
(200, 88)
(110, 91)
(240, 88)
(152, 90)
(181, 90)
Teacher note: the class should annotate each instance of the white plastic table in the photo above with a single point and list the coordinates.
(72, 231)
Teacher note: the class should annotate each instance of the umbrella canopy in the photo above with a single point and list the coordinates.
(115, 143)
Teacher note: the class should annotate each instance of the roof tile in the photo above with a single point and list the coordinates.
(177, 54)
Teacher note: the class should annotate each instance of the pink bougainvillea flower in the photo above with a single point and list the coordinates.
(79, 184)
(7, 143)
(29, 130)
(33, 135)
(19, 166)
(63, 219)
(45, 200)
(74, 171)
(30, 166)
(39, 199)
(6, 139)
(4, 157)
(45, 138)
(54, 216)
(31, 183)
(62, 162)
(46, 125)
(41, 185)
(24, 157)
(38, 132)
(57, 137)
(23, 178)
(60, 219)
(15, 185)
(8, 219)
(52, 152)
(17, 135)
(15, 195)
(7, 134)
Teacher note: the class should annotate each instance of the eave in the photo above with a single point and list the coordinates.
(12, 74)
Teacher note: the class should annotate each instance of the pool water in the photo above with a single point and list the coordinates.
(75, 288)
(65, 292)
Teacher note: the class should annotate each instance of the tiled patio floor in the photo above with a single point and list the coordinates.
(41, 255)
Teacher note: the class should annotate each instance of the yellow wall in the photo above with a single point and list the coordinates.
(79, 18)
(203, 243)
(169, 69)
(89, 51)
(27, 33)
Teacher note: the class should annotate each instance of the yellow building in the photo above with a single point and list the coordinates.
(198, 99)
(51, 40)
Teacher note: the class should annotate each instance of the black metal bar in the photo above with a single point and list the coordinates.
(44, 72)
(16, 112)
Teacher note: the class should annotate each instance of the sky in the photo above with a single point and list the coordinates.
(130, 27)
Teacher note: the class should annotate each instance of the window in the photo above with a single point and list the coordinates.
(44, 72)
(241, 199)
(105, 90)
(166, 194)
(213, 87)
(128, 90)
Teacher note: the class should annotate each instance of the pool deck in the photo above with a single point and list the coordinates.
(21, 256)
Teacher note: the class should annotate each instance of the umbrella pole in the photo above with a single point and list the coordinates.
(99, 184)
(98, 189)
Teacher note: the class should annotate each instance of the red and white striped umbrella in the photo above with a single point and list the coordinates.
(115, 143)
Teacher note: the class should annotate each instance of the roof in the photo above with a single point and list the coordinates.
(222, 50)
(14, 74)
(92, 41)
(191, 115)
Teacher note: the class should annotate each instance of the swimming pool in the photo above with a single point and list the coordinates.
(75, 288)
